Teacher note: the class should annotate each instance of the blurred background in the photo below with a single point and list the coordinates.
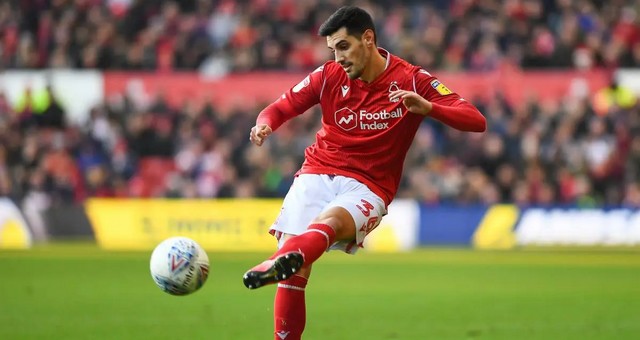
(125, 122)
(155, 99)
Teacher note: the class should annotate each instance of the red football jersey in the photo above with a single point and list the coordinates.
(364, 134)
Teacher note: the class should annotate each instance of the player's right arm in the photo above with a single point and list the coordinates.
(295, 101)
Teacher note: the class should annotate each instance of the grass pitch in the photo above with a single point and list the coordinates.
(81, 292)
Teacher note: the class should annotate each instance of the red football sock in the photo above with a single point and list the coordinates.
(312, 243)
(289, 312)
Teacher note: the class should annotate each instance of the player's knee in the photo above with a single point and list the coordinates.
(340, 226)
(332, 221)
(305, 271)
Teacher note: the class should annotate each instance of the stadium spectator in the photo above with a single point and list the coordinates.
(613, 97)
(226, 36)
(580, 155)
(575, 151)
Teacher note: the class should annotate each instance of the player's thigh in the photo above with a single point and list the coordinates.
(357, 209)
(306, 199)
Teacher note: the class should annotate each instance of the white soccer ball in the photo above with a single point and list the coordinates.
(179, 266)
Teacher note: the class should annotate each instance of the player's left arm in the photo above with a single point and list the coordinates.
(431, 98)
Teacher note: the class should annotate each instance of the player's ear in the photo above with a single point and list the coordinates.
(368, 37)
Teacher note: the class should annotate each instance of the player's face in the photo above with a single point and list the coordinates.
(349, 52)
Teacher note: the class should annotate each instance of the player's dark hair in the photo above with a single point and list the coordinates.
(354, 19)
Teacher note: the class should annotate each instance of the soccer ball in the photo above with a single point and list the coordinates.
(179, 266)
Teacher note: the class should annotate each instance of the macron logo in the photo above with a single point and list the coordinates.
(345, 90)
(282, 334)
(345, 120)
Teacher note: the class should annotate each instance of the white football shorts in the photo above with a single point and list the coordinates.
(312, 194)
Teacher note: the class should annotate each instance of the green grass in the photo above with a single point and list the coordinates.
(80, 292)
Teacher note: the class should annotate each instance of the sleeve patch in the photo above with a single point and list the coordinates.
(304, 83)
(438, 86)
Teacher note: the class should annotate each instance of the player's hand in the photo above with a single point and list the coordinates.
(259, 133)
(412, 101)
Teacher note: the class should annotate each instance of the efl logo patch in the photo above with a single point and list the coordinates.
(438, 86)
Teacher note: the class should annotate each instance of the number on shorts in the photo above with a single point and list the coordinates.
(370, 225)
(366, 208)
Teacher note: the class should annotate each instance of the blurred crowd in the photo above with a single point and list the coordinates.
(535, 153)
(220, 36)
(568, 152)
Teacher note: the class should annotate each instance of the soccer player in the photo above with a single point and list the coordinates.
(372, 105)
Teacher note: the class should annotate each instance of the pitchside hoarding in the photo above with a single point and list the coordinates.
(140, 224)
(222, 225)
(584, 227)
(14, 230)
(506, 226)
(241, 225)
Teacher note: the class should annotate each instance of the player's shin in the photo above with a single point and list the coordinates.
(296, 252)
(289, 311)
(312, 243)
